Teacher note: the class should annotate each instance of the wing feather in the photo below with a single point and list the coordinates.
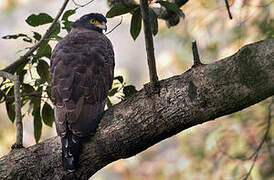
(82, 67)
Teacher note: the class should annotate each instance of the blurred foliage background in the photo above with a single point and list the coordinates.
(214, 150)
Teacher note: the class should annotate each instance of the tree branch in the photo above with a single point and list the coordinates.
(149, 43)
(264, 140)
(23, 59)
(17, 101)
(197, 96)
(82, 5)
(228, 9)
(196, 57)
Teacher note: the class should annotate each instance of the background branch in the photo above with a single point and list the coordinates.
(197, 96)
(228, 9)
(264, 140)
(50, 30)
(82, 5)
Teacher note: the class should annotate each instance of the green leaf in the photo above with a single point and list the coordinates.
(44, 50)
(113, 92)
(109, 104)
(21, 75)
(19, 67)
(67, 26)
(181, 2)
(14, 36)
(68, 13)
(10, 92)
(172, 7)
(136, 24)
(154, 21)
(47, 114)
(20, 71)
(40, 19)
(36, 35)
(43, 70)
(37, 123)
(29, 40)
(36, 100)
(48, 90)
(120, 79)
(10, 107)
(26, 88)
(2, 94)
(129, 91)
(120, 8)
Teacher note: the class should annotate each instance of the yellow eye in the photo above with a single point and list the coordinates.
(92, 21)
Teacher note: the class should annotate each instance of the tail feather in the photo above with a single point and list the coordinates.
(71, 149)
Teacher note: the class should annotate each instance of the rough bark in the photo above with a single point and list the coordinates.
(201, 94)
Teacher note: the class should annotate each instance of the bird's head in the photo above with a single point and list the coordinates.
(92, 21)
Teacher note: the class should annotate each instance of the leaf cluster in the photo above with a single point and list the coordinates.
(34, 75)
(120, 89)
(136, 19)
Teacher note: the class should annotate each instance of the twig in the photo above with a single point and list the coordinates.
(196, 58)
(31, 94)
(24, 58)
(269, 147)
(82, 5)
(149, 43)
(115, 26)
(17, 96)
(228, 9)
(252, 166)
(255, 154)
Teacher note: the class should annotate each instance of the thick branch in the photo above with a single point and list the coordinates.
(23, 59)
(149, 43)
(197, 96)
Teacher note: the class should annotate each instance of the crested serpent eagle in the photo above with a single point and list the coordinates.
(81, 72)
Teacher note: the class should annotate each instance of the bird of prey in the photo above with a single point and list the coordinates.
(81, 73)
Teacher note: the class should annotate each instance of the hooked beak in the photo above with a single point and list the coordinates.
(103, 26)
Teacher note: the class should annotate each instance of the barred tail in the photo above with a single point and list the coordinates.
(71, 149)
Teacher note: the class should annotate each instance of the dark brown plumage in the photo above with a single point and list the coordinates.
(81, 73)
